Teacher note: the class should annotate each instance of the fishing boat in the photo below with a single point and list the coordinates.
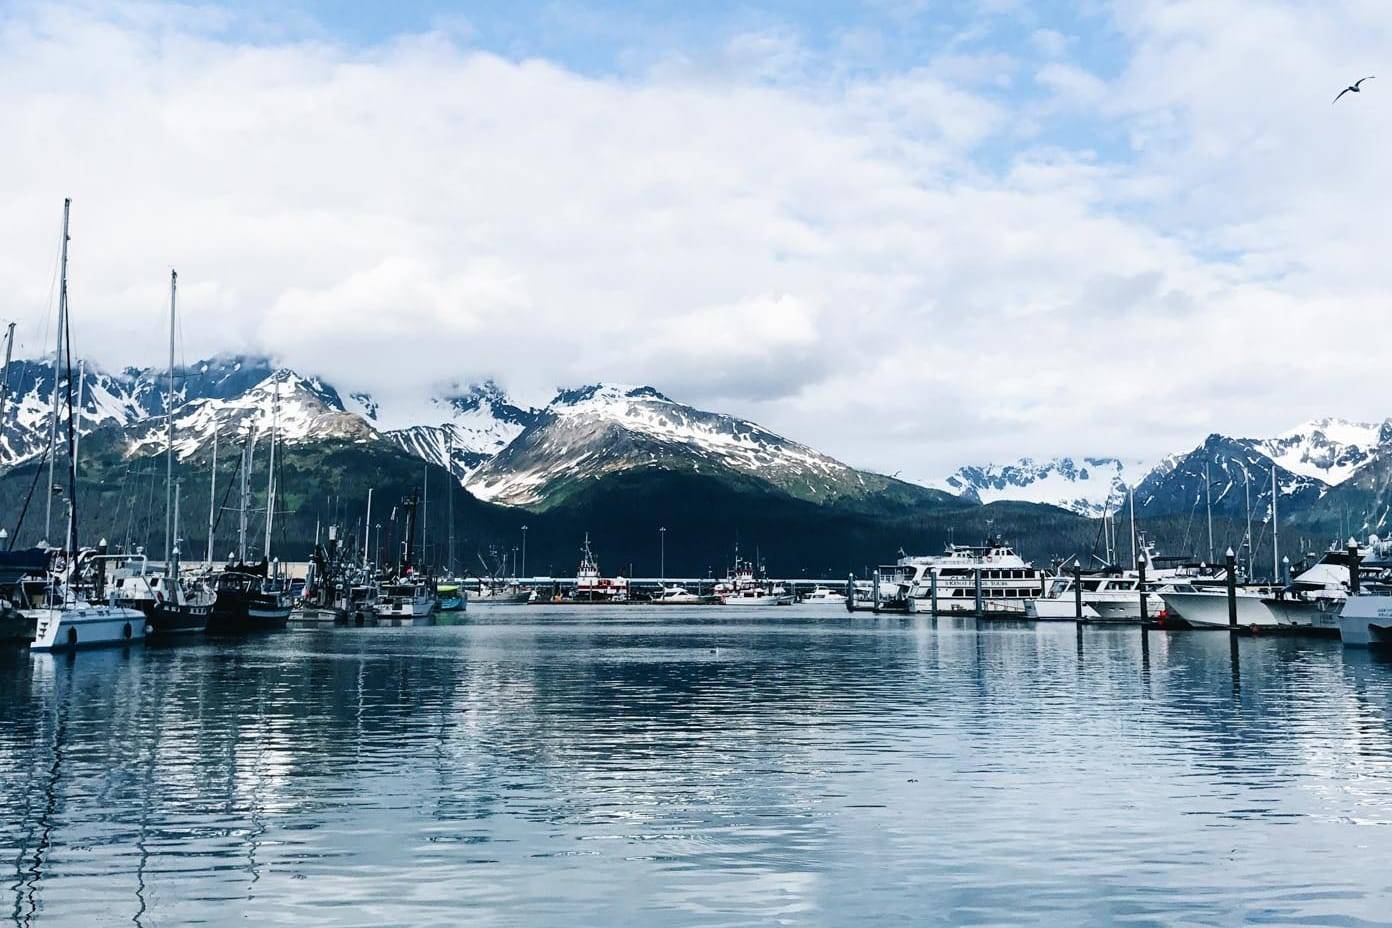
(452, 597)
(591, 586)
(254, 596)
(249, 598)
(742, 588)
(407, 597)
(170, 608)
(501, 594)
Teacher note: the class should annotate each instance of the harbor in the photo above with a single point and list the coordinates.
(730, 765)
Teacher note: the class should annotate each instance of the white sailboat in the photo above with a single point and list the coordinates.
(65, 621)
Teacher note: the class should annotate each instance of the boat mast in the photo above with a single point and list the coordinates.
(1275, 532)
(5, 375)
(81, 395)
(1208, 492)
(57, 368)
(1131, 504)
(169, 432)
(270, 465)
(248, 448)
(72, 445)
(212, 501)
(449, 498)
(425, 513)
(1248, 488)
(367, 529)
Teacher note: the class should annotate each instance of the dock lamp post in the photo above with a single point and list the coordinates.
(662, 555)
(524, 550)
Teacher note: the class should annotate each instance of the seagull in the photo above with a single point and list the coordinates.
(1353, 88)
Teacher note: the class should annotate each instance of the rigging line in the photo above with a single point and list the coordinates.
(236, 471)
(19, 521)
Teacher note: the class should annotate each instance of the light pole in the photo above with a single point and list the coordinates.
(662, 555)
(514, 562)
(377, 561)
(524, 550)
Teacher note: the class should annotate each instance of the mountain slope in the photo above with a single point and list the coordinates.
(592, 432)
(468, 427)
(1088, 486)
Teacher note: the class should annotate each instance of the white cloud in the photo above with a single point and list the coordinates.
(865, 264)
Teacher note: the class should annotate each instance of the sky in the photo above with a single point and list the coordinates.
(912, 234)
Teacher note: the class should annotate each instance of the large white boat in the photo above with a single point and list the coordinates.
(1207, 607)
(681, 596)
(82, 625)
(1008, 581)
(1316, 596)
(1366, 620)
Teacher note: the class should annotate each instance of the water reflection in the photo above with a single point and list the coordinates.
(552, 767)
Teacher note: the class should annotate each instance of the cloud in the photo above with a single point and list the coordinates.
(884, 264)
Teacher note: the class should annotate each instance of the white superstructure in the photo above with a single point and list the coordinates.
(1008, 581)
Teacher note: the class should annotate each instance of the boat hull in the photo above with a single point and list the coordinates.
(1366, 622)
(1061, 609)
(163, 619)
(1210, 610)
(86, 627)
(1320, 614)
(248, 614)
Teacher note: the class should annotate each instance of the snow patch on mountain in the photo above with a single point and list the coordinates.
(1329, 450)
(463, 428)
(586, 433)
(299, 409)
(1088, 486)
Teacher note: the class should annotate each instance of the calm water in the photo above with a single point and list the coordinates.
(705, 767)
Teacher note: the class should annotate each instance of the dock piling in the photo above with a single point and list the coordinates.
(1354, 560)
(933, 590)
(1230, 562)
(1078, 592)
(980, 611)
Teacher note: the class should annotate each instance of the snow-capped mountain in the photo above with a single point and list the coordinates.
(1229, 469)
(1088, 486)
(300, 409)
(1327, 449)
(595, 431)
(122, 399)
(467, 427)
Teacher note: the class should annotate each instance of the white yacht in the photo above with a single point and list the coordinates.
(1366, 620)
(1008, 581)
(824, 596)
(1316, 596)
(1207, 607)
(680, 596)
(1060, 602)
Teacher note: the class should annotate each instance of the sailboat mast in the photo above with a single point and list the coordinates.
(449, 498)
(1275, 532)
(1131, 504)
(212, 501)
(1248, 489)
(1208, 492)
(247, 451)
(367, 529)
(5, 376)
(425, 513)
(81, 398)
(169, 431)
(270, 465)
(57, 368)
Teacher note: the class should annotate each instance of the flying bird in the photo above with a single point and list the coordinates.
(1354, 87)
